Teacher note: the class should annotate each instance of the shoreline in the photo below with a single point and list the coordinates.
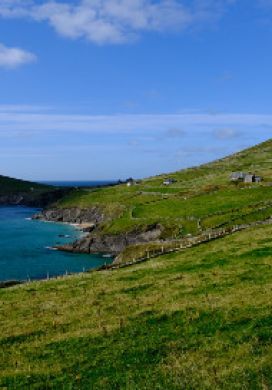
(83, 228)
(73, 232)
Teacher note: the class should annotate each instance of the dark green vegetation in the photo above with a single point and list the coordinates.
(201, 198)
(9, 186)
(20, 192)
(200, 319)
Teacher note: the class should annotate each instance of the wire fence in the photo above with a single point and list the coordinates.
(166, 247)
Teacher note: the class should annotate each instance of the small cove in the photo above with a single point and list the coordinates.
(25, 247)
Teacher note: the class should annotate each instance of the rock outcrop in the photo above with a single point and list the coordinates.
(92, 215)
(9, 283)
(95, 241)
(113, 244)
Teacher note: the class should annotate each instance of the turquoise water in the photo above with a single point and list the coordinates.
(25, 247)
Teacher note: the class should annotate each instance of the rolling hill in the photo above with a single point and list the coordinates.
(197, 318)
(9, 186)
(200, 199)
(20, 192)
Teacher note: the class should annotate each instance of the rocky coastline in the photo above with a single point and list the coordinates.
(111, 244)
(95, 241)
(10, 283)
(75, 215)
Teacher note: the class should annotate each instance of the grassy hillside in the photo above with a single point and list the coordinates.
(199, 319)
(9, 186)
(200, 199)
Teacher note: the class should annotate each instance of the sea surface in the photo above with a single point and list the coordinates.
(74, 183)
(26, 247)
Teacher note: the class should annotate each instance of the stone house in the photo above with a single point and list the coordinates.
(245, 177)
(169, 181)
(238, 176)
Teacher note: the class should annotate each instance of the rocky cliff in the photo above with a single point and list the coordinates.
(96, 241)
(78, 215)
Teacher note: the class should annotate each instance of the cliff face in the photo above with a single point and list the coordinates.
(112, 244)
(92, 215)
(96, 241)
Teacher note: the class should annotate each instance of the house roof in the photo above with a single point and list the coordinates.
(238, 175)
(169, 179)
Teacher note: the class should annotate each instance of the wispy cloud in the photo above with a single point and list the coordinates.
(226, 133)
(174, 133)
(138, 143)
(17, 108)
(43, 121)
(13, 57)
(115, 21)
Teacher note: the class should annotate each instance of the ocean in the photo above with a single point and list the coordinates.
(25, 247)
(74, 183)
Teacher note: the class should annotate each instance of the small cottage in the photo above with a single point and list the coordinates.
(249, 178)
(238, 176)
(253, 179)
(169, 181)
(130, 182)
(245, 177)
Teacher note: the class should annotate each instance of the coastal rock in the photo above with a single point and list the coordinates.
(96, 241)
(113, 244)
(74, 215)
(88, 229)
(9, 283)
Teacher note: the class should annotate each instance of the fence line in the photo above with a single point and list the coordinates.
(184, 243)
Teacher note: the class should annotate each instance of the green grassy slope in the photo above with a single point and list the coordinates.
(202, 197)
(10, 186)
(199, 319)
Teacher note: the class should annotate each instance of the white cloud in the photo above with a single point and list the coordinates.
(12, 57)
(115, 21)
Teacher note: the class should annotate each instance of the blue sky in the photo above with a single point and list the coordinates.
(106, 89)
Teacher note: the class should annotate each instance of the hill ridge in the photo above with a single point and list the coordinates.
(198, 199)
